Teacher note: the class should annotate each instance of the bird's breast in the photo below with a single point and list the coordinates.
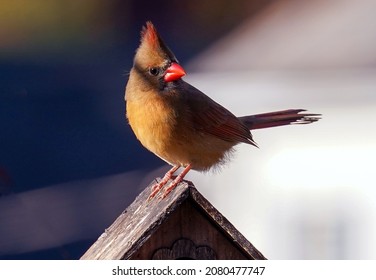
(166, 130)
(153, 122)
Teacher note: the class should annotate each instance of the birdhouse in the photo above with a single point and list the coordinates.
(183, 225)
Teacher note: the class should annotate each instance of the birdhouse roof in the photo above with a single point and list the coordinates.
(143, 217)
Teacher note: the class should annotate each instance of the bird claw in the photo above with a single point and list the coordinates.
(169, 189)
(155, 190)
(157, 187)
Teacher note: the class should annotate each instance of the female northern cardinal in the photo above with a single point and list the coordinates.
(179, 123)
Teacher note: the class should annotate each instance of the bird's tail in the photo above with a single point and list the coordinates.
(279, 118)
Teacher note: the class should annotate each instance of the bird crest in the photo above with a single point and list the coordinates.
(152, 43)
(149, 35)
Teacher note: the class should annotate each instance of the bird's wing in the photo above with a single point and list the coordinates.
(212, 118)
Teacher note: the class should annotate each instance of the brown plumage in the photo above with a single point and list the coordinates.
(179, 123)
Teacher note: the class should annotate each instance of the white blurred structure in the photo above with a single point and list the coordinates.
(309, 191)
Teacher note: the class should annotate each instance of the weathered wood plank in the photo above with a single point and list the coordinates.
(132, 228)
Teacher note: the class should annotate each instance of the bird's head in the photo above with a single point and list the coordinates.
(154, 60)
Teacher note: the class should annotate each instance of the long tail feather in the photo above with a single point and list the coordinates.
(279, 118)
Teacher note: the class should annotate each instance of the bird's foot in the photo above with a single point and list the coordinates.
(170, 187)
(155, 189)
(176, 181)
(158, 186)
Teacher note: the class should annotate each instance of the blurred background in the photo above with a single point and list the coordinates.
(69, 163)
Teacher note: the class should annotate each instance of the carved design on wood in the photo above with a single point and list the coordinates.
(185, 249)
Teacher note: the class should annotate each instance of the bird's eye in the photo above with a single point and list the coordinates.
(154, 71)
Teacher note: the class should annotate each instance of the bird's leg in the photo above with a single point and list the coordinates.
(177, 180)
(157, 187)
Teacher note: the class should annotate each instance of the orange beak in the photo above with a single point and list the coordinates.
(174, 72)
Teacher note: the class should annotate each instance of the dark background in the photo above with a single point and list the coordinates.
(63, 69)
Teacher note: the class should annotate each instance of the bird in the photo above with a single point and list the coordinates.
(179, 123)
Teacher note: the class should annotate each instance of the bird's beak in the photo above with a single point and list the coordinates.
(174, 72)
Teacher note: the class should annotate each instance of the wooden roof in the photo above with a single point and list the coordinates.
(142, 218)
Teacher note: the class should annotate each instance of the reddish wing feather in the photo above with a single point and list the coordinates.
(223, 124)
(210, 117)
